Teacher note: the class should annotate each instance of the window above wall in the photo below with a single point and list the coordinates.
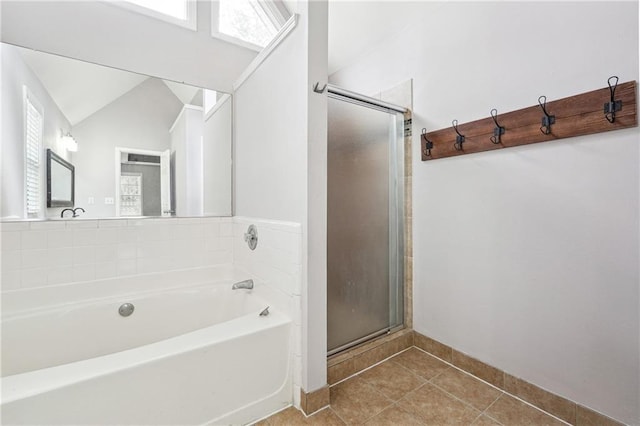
(180, 12)
(249, 23)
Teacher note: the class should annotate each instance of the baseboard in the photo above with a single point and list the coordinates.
(567, 410)
(314, 401)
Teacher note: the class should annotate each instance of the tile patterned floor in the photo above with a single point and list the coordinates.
(415, 388)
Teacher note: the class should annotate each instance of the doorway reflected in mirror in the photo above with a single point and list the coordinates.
(113, 114)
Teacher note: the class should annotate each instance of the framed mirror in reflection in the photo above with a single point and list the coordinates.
(60, 181)
(142, 146)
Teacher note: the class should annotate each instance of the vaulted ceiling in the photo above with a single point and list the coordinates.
(81, 88)
(355, 28)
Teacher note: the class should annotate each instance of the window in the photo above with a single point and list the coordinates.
(180, 12)
(33, 128)
(175, 8)
(131, 194)
(252, 23)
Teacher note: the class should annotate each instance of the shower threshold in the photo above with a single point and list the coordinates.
(365, 339)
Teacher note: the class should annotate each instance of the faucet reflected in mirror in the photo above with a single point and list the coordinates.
(73, 211)
(148, 147)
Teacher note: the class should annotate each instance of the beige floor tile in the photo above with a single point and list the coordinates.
(325, 417)
(415, 388)
(485, 421)
(434, 407)
(467, 388)
(420, 363)
(510, 411)
(292, 416)
(392, 380)
(394, 416)
(356, 401)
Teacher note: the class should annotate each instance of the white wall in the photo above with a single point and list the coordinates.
(525, 258)
(217, 161)
(98, 32)
(270, 135)
(140, 119)
(278, 126)
(186, 158)
(15, 75)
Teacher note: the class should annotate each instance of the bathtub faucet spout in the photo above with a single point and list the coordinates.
(248, 284)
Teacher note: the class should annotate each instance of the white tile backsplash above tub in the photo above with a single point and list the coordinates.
(39, 253)
(277, 259)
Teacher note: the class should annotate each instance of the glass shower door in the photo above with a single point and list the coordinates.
(365, 222)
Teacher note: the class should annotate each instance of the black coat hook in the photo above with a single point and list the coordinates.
(428, 145)
(498, 130)
(460, 138)
(610, 108)
(547, 120)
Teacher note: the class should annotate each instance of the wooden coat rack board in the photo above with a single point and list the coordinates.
(577, 115)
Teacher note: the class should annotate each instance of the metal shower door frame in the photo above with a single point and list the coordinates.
(396, 208)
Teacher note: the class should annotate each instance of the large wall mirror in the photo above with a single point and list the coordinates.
(139, 146)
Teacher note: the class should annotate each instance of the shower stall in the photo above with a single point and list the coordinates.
(365, 219)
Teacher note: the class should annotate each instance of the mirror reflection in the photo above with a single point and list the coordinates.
(60, 181)
(139, 145)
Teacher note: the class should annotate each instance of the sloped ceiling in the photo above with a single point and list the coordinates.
(80, 88)
(355, 28)
(184, 92)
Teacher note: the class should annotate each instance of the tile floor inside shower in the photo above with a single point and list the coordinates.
(416, 388)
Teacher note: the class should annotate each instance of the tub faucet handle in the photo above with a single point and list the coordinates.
(264, 312)
(251, 237)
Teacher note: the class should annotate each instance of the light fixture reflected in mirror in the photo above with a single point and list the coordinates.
(69, 142)
(106, 109)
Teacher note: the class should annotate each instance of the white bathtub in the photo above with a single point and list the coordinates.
(194, 355)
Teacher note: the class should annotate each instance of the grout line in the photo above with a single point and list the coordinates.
(411, 413)
(474, 420)
(458, 398)
(338, 415)
(315, 412)
(487, 409)
(380, 393)
(373, 388)
(430, 381)
(414, 414)
(495, 387)
(413, 372)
